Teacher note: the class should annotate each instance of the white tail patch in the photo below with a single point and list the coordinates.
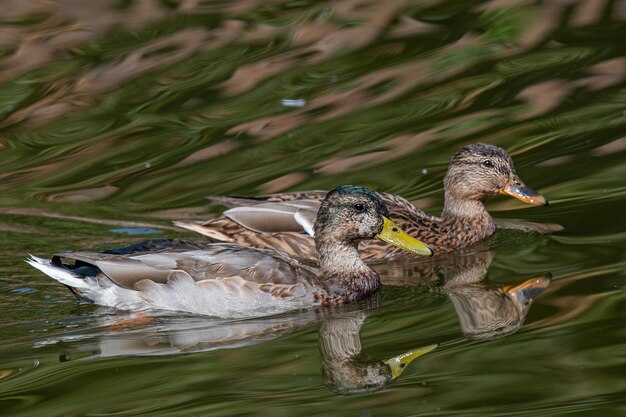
(99, 291)
(58, 273)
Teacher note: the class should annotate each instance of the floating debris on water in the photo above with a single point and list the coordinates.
(293, 102)
(24, 290)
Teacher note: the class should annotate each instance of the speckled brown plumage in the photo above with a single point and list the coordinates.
(476, 172)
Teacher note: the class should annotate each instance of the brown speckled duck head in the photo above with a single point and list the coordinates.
(481, 170)
(350, 214)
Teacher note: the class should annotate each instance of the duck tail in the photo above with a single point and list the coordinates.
(57, 272)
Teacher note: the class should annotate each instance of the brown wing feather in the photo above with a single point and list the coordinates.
(315, 195)
(400, 206)
(266, 217)
(214, 261)
(270, 217)
(233, 201)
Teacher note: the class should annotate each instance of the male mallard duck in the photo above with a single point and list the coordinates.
(228, 280)
(285, 221)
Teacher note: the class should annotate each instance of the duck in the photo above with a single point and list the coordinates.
(232, 281)
(285, 221)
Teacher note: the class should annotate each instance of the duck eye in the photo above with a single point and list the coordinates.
(358, 207)
(487, 163)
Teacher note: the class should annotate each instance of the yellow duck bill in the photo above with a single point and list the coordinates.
(517, 189)
(399, 363)
(394, 235)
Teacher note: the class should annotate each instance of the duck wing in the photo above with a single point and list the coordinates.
(400, 207)
(271, 217)
(281, 222)
(229, 201)
(296, 244)
(128, 267)
(221, 279)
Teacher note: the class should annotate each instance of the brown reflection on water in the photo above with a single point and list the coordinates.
(49, 214)
(118, 72)
(146, 58)
(62, 25)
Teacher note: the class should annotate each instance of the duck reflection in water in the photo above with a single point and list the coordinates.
(486, 310)
(345, 369)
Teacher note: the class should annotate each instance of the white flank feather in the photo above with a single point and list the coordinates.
(217, 299)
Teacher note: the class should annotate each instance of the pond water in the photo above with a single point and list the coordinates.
(118, 116)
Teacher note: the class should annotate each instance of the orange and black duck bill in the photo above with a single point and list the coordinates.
(517, 189)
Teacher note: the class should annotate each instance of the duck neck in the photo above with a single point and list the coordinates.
(344, 272)
(340, 339)
(455, 207)
(340, 257)
(467, 221)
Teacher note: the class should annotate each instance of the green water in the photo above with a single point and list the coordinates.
(117, 117)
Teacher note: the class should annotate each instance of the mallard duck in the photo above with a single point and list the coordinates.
(285, 221)
(228, 280)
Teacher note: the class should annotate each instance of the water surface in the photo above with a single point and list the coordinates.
(117, 117)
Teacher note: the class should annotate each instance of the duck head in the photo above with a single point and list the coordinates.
(351, 213)
(480, 170)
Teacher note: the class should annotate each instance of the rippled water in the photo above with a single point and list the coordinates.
(117, 117)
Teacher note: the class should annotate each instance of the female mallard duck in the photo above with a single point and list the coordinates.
(278, 221)
(228, 280)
